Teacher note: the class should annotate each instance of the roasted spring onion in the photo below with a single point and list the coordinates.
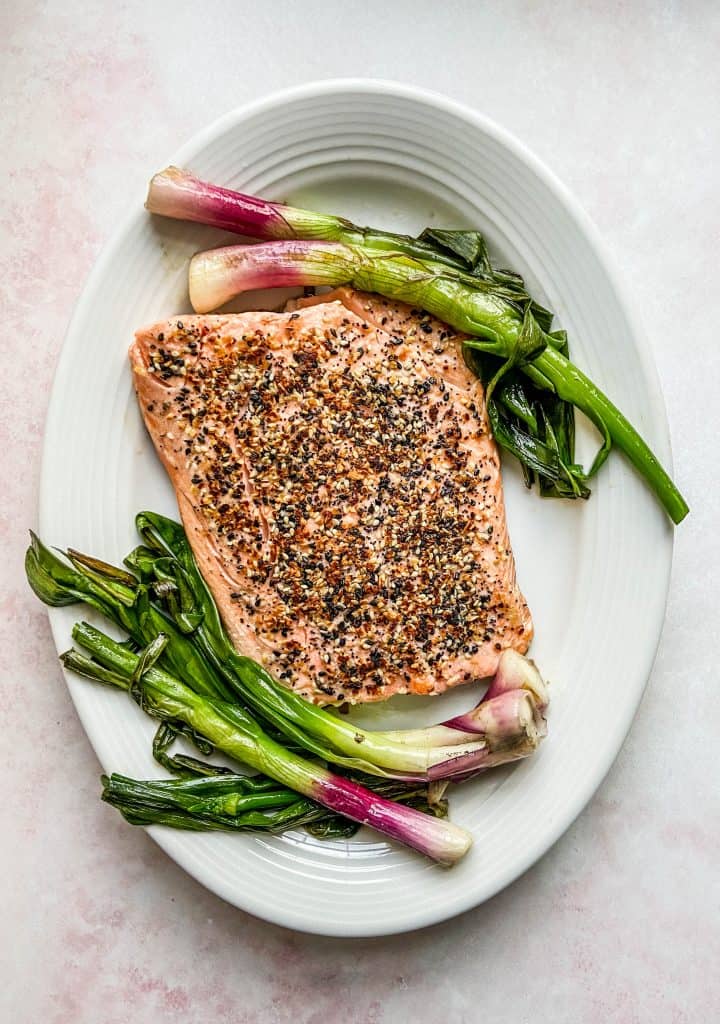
(229, 802)
(177, 194)
(180, 666)
(236, 733)
(532, 387)
(535, 426)
(170, 597)
(497, 328)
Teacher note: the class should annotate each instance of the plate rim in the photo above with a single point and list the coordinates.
(657, 426)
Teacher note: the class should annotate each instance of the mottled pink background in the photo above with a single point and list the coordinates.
(620, 921)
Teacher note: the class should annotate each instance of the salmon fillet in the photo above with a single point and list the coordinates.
(340, 487)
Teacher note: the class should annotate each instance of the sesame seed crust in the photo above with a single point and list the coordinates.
(342, 476)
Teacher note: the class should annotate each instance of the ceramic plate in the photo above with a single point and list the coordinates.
(595, 574)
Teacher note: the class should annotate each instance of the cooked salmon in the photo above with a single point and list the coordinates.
(340, 487)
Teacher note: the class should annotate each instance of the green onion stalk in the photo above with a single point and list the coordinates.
(177, 194)
(533, 425)
(180, 666)
(207, 796)
(532, 385)
(235, 732)
(495, 324)
(171, 597)
(225, 801)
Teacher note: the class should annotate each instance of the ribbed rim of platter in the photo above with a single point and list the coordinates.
(404, 134)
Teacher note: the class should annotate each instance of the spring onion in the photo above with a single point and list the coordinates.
(177, 194)
(534, 425)
(235, 732)
(225, 801)
(495, 325)
(180, 666)
(532, 385)
(171, 594)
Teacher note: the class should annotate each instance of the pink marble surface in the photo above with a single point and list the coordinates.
(620, 921)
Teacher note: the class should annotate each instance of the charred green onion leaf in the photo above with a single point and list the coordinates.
(180, 667)
(235, 732)
(446, 272)
(496, 325)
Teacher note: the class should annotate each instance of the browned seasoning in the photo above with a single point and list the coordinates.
(345, 478)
